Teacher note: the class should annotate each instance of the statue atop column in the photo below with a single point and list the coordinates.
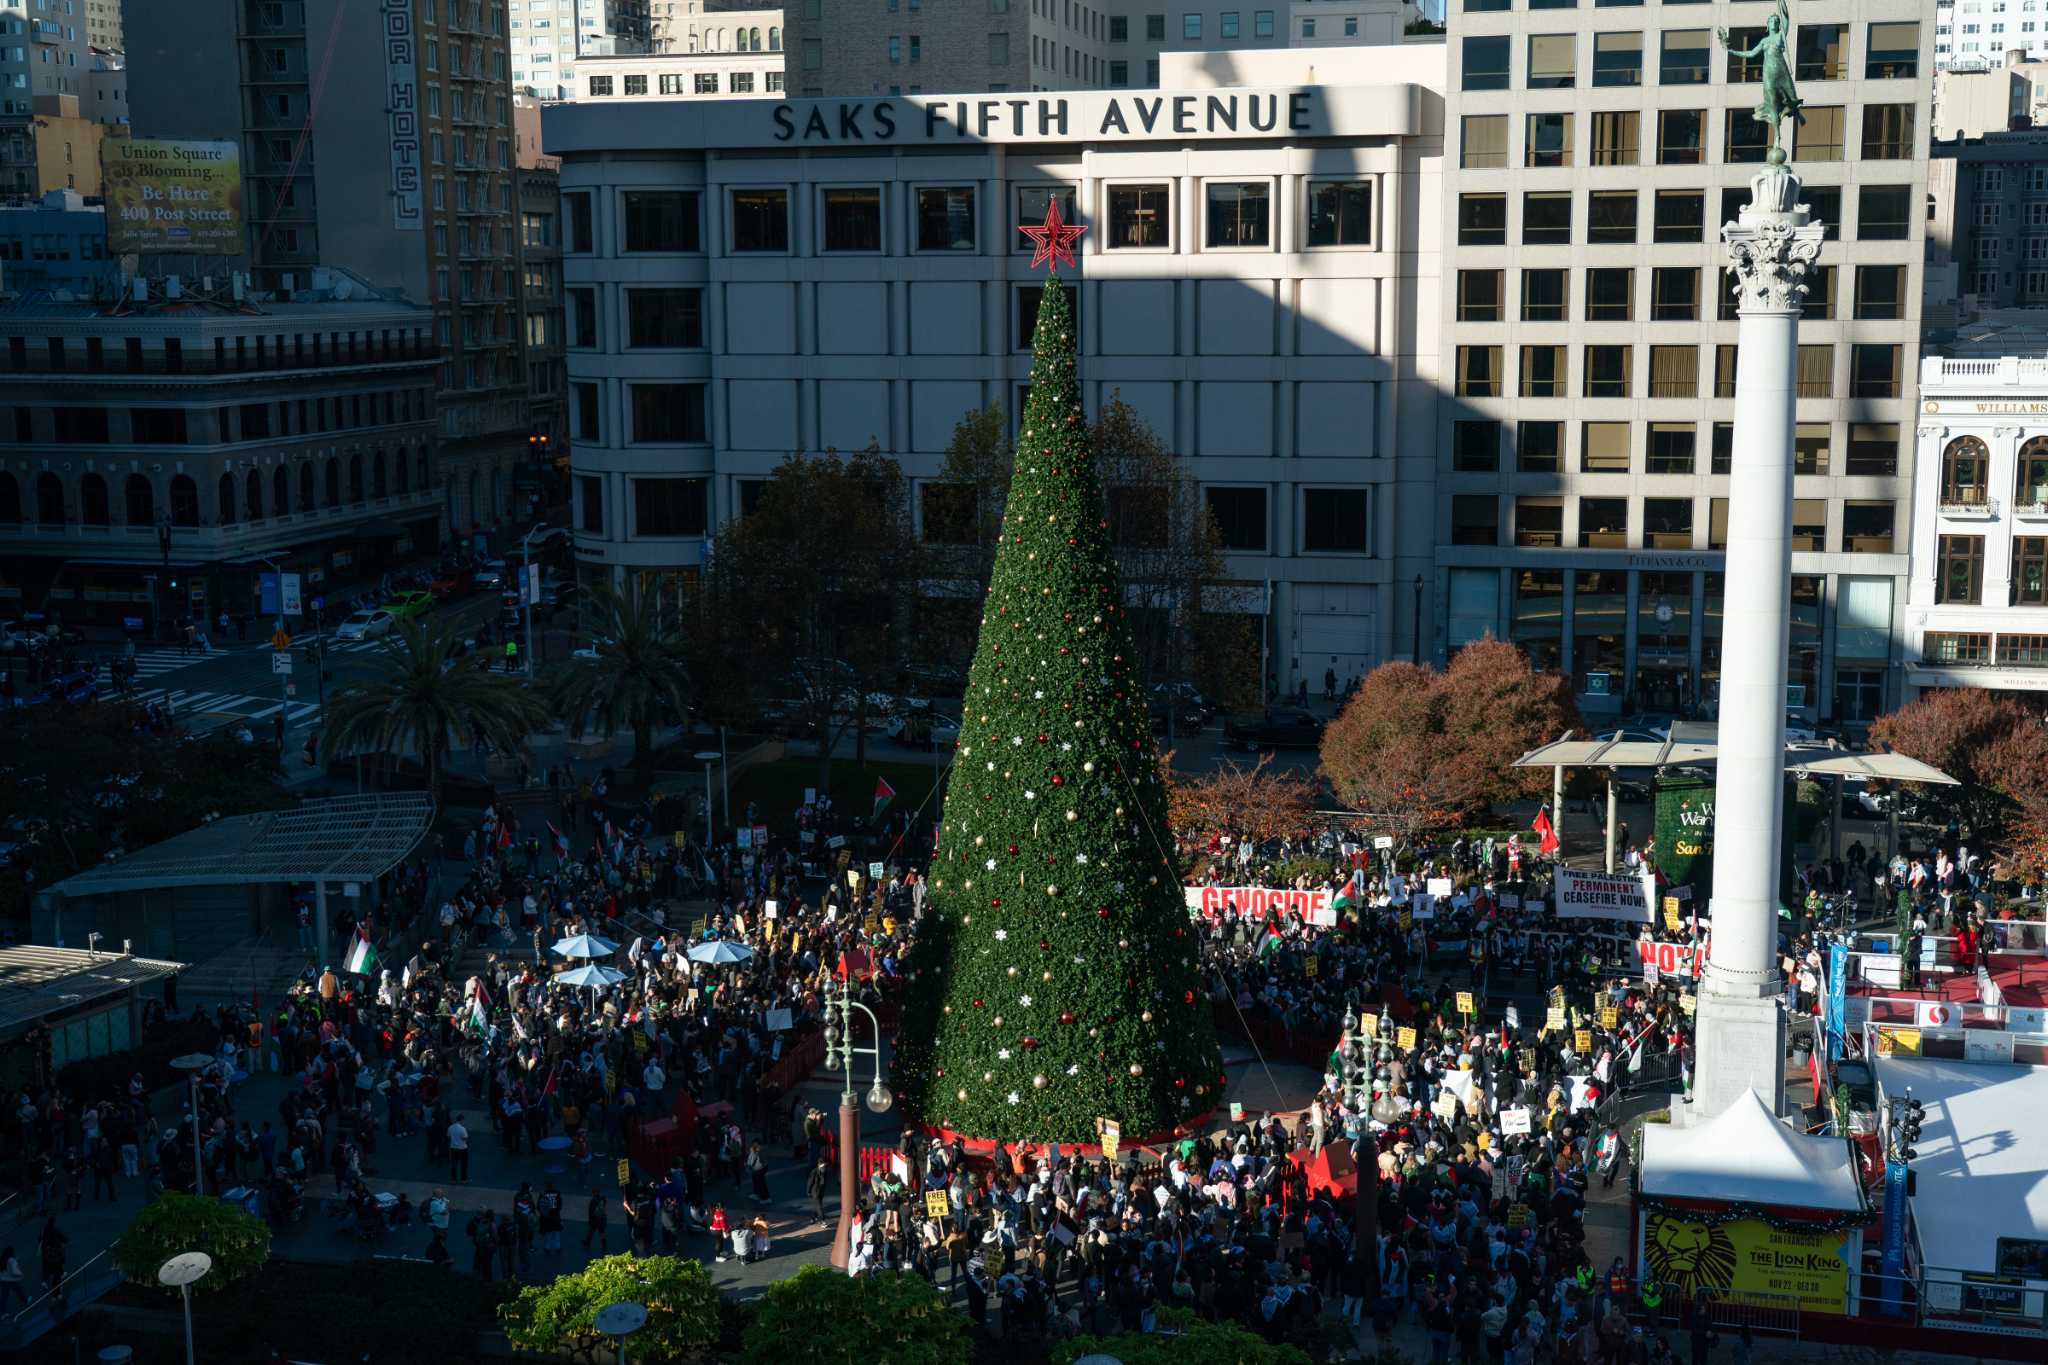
(1780, 97)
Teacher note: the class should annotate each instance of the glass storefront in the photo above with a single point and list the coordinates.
(1539, 617)
(1599, 633)
(1475, 606)
(1710, 644)
(1802, 671)
(1664, 642)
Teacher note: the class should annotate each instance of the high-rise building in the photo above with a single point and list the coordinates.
(1589, 333)
(103, 23)
(1987, 225)
(548, 37)
(54, 103)
(411, 188)
(43, 52)
(1979, 32)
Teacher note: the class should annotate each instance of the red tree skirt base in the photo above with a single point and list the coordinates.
(975, 1146)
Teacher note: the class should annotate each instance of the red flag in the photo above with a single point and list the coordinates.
(504, 835)
(1547, 842)
(549, 1088)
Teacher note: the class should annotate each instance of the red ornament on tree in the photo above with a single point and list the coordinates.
(1066, 1016)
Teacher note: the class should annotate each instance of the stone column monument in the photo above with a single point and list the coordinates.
(1740, 1019)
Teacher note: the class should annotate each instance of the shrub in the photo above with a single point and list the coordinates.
(681, 1303)
(238, 1241)
(1182, 1339)
(823, 1317)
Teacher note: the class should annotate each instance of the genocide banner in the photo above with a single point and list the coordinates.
(1220, 902)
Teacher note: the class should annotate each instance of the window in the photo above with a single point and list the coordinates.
(1617, 59)
(667, 412)
(1667, 523)
(1607, 371)
(1880, 292)
(1479, 295)
(1553, 61)
(1543, 295)
(1475, 519)
(704, 82)
(1482, 220)
(1240, 517)
(576, 208)
(1155, 28)
(1616, 134)
(1484, 144)
(1892, 52)
(1681, 216)
(1725, 371)
(760, 220)
(1887, 132)
(1681, 137)
(1478, 372)
(1140, 217)
(582, 316)
(669, 507)
(1883, 212)
(1821, 52)
(1742, 70)
(945, 219)
(1191, 26)
(1674, 295)
(1670, 447)
(1539, 447)
(1240, 213)
(1820, 138)
(600, 86)
(1816, 375)
(1949, 647)
(1340, 213)
(853, 218)
(1262, 23)
(1610, 294)
(1867, 527)
(1873, 449)
(1745, 140)
(998, 49)
(2030, 482)
(664, 318)
(1485, 62)
(1965, 473)
(158, 426)
(1873, 370)
(742, 83)
(1603, 448)
(1032, 202)
(1819, 305)
(1611, 216)
(1227, 22)
(1546, 219)
(1547, 140)
(590, 501)
(1334, 521)
(1028, 297)
(636, 85)
(1685, 57)
(2030, 572)
(585, 410)
(1475, 447)
(1674, 372)
(1543, 372)
(1603, 524)
(1809, 523)
(1810, 443)
(1119, 29)
(1717, 523)
(660, 220)
(1119, 73)
(1539, 522)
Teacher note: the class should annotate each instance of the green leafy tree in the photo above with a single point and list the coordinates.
(823, 1317)
(1193, 1341)
(238, 1241)
(1061, 985)
(638, 680)
(420, 696)
(561, 1315)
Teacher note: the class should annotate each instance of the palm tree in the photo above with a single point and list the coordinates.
(637, 680)
(423, 696)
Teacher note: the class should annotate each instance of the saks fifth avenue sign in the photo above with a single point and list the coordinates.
(1049, 118)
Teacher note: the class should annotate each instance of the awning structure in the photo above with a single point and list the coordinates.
(1743, 1155)
(37, 982)
(334, 839)
(1685, 750)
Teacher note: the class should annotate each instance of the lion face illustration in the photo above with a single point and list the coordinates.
(1689, 1256)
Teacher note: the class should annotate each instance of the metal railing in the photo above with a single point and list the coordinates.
(58, 1292)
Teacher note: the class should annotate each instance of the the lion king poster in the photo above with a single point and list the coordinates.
(1747, 1258)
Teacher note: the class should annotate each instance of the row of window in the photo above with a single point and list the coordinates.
(237, 499)
(1609, 371)
(1959, 571)
(1236, 214)
(1609, 295)
(72, 425)
(1664, 523)
(1966, 473)
(1820, 53)
(680, 83)
(1872, 449)
(1614, 217)
(1549, 140)
(300, 350)
(1965, 647)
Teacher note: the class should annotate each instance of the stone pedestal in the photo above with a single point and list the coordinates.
(1741, 1029)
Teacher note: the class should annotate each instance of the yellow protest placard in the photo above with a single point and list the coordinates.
(1898, 1042)
(1405, 1038)
(1609, 1016)
(1582, 1040)
(625, 1172)
(1554, 1018)
(1407, 921)
(1687, 1003)
(1465, 1003)
(1368, 1025)
(1671, 921)
(1311, 966)
(853, 877)
(1110, 1131)
(936, 1205)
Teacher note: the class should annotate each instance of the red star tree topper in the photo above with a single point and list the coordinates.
(1055, 237)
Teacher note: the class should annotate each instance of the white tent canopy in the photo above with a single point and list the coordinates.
(1744, 1155)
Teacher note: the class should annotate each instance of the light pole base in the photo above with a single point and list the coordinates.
(1741, 1047)
(849, 1170)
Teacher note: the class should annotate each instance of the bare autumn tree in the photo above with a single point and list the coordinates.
(1248, 802)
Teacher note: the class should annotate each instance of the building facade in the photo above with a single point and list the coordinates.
(151, 459)
(57, 243)
(549, 38)
(1972, 32)
(1589, 334)
(1978, 613)
(411, 190)
(746, 279)
(541, 301)
(710, 74)
(45, 50)
(103, 24)
(1987, 225)
(58, 99)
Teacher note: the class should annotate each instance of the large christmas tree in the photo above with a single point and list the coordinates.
(1060, 981)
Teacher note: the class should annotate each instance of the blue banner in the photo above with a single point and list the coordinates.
(1892, 1265)
(270, 604)
(1838, 997)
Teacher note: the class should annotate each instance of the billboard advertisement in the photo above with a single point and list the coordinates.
(172, 197)
(1746, 1260)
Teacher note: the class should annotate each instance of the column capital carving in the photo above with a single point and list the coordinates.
(1771, 244)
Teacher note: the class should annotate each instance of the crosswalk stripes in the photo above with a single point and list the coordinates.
(206, 703)
(151, 662)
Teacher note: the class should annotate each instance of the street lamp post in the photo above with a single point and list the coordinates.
(181, 1272)
(619, 1321)
(1365, 1212)
(840, 1052)
(163, 582)
(708, 757)
(192, 1063)
(1416, 657)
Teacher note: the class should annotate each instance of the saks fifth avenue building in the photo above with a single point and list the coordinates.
(750, 278)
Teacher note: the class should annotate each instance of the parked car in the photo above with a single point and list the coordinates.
(19, 639)
(1278, 728)
(71, 688)
(365, 625)
(451, 583)
(491, 574)
(1187, 718)
(407, 605)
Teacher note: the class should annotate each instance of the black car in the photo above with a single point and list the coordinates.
(1283, 728)
(1188, 719)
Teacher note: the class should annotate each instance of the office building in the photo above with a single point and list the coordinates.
(1249, 284)
(58, 243)
(549, 37)
(1987, 225)
(154, 455)
(103, 23)
(411, 188)
(709, 73)
(57, 99)
(55, 148)
(1588, 335)
(44, 51)
(1978, 615)
(1974, 32)
(540, 312)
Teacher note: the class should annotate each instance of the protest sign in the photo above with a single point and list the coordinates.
(1598, 895)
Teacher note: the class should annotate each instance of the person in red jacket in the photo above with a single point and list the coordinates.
(718, 1230)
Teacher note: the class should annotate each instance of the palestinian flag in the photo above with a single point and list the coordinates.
(561, 841)
(362, 958)
(884, 794)
(1546, 833)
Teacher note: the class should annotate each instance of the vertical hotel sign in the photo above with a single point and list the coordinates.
(402, 112)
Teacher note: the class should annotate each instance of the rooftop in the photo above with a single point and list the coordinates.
(35, 981)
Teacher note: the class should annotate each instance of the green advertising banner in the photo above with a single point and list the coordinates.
(1684, 828)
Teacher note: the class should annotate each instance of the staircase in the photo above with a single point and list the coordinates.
(85, 1285)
